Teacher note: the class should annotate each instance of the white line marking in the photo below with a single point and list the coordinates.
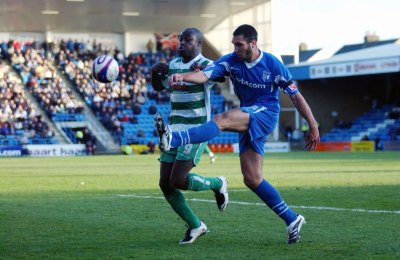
(262, 204)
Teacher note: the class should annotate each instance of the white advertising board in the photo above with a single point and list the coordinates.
(365, 67)
(273, 147)
(56, 150)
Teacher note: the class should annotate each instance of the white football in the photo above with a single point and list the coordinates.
(105, 69)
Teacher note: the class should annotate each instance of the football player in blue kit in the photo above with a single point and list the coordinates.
(257, 77)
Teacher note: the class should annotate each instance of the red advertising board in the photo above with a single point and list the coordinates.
(334, 146)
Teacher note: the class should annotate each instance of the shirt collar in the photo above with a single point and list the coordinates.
(254, 63)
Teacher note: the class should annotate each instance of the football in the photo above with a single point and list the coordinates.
(105, 69)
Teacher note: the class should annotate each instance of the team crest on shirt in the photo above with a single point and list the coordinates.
(266, 75)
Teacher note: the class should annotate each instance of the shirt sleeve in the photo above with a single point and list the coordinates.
(210, 83)
(165, 78)
(218, 69)
(283, 78)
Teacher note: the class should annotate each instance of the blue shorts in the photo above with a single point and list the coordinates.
(262, 122)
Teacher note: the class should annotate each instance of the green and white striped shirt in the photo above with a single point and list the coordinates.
(190, 103)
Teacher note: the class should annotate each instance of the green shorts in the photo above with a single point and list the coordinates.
(184, 153)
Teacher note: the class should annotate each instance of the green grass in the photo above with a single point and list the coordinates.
(70, 208)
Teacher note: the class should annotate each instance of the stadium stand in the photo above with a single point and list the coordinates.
(123, 106)
(118, 104)
(20, 121)
(42, 79)
(126, 107)
(354, 77)
(82, 136)
(382, 123)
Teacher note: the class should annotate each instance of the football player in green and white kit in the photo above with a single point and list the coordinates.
(190, 106)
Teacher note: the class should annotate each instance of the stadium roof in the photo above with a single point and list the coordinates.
(106, 15)
(305, 55)
(364, 45)
(374, 60)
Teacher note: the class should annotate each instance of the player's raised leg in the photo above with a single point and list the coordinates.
(232, 120)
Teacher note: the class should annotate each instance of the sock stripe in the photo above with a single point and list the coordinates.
(188, 136)
(277, 205)
(180, 136)
(274, 201)
(283, 211)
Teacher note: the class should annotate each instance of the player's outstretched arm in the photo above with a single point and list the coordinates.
(312, 136)
(193, 77)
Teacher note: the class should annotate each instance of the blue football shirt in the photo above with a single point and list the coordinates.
(255, 83)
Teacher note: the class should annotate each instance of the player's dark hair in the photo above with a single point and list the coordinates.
(194, 31)
(248, 32)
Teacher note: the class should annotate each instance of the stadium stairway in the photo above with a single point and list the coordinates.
(106, 143)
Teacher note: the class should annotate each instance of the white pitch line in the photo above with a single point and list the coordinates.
(262, 204)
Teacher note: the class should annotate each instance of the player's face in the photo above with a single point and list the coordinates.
(188, 46)
(242, 48)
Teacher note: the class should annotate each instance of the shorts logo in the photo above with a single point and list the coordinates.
(260, 109)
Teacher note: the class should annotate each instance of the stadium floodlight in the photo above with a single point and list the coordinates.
(51, 12)
(238, 3)
(130, 13)
(208, 15)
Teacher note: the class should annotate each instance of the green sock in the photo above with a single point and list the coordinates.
(199, 183)
(179, 205)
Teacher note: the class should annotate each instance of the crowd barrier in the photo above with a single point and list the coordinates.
(391, 146)
(221, 148)
(11, 151)
(362, 146)
(80, 149)
(215, 148)
(234, 148)
(43, 150)
(134, 149)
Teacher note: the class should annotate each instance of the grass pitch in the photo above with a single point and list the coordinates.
(110, 207)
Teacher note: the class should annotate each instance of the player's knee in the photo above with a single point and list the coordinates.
(179, 183)
(251, 182)
(165, 187)
(235, 120)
